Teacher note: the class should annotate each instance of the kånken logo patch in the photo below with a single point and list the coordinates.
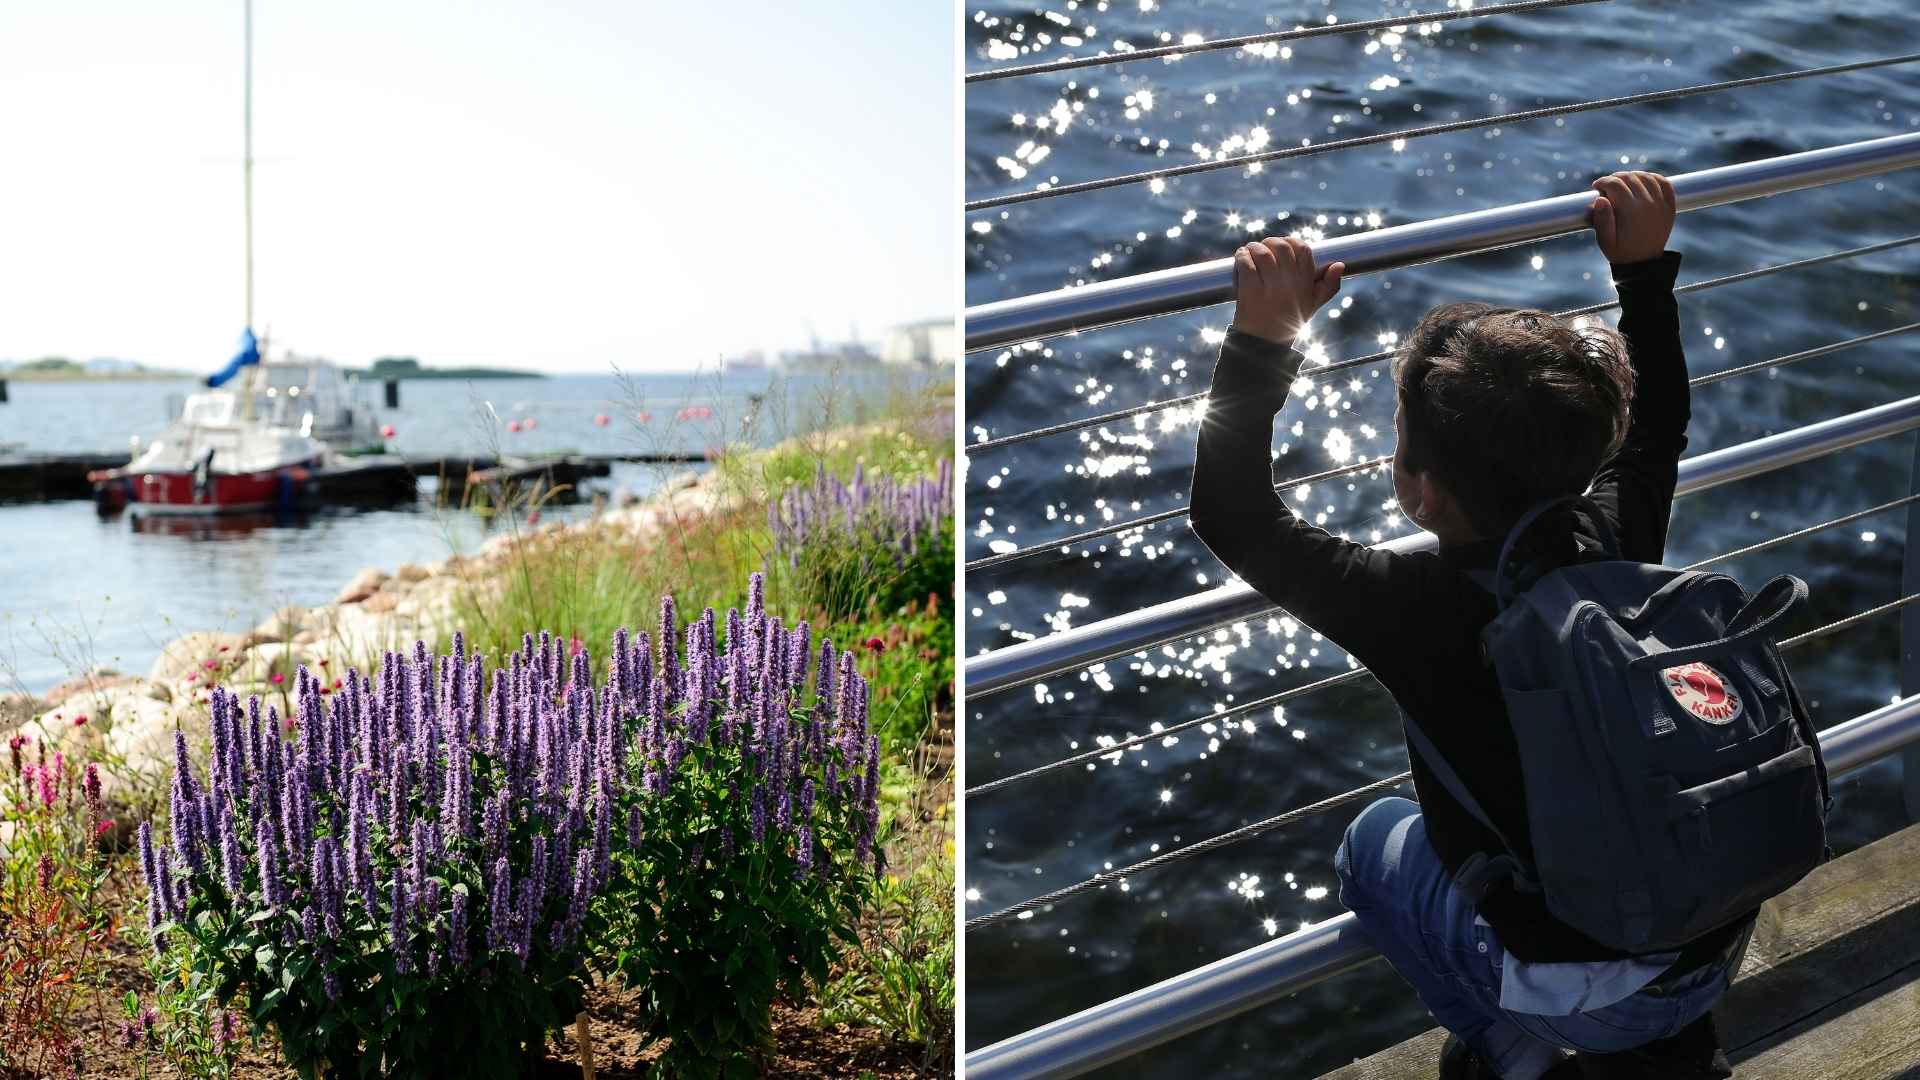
(1703, 692)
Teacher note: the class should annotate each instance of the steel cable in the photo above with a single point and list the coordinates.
(1248, 832)
(1298, 33)
(1189, 399)
(1003, 558)
(1430, 129)
(1356, 674)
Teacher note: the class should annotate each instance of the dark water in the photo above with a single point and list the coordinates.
(1064, 827)
(78, 590)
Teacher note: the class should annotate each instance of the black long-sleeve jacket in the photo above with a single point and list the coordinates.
(1415, 619)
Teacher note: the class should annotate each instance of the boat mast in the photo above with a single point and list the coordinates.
(247, 160)
(253, 380)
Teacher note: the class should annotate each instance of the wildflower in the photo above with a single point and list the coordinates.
(91, 790)
(276, 678)
(874, 644)
(80, 721)
(226, 1032)
(803, 852)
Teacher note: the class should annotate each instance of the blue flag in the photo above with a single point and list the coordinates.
(249, 354)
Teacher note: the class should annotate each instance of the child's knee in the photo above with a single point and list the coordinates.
(1362, 861)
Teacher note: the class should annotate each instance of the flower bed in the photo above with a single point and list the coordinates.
(419, 871)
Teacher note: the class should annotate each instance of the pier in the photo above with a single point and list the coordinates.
(372, 479)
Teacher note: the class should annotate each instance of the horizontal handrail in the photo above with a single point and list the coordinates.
(1116, 747)
(1161, 292)
(1098, 419)
(1031, 661)
(1152, 1015)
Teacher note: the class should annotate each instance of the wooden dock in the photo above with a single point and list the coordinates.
(1830, 987)
(375, 478)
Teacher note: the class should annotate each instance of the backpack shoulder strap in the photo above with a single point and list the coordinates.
(1504, 590)
(1478, 873)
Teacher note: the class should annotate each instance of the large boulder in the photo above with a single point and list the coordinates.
(361, 587)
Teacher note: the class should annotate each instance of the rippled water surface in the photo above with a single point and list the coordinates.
(77, 589)
(1067, 127)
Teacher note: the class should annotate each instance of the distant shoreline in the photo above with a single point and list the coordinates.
(154, 375)
(444, 373)
(94, 376)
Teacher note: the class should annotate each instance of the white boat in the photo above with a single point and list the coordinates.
(252, 440)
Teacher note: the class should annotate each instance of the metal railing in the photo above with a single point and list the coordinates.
(1155, 1014)
(1025, 318)
(1116, 1029)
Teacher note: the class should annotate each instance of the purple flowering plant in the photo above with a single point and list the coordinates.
(400, 882)
(750, 809)
(416, 875)
(870, 540)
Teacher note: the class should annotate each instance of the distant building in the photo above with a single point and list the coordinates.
(926, 343)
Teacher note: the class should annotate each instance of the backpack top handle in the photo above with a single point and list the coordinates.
(1504, 585)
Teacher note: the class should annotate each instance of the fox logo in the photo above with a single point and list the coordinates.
(1703, 692)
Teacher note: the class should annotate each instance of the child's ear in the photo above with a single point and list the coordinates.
(1437, 506)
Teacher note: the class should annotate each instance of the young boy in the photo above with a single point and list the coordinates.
(1498, 410)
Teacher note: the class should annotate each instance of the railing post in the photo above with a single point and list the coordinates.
(1910, 637)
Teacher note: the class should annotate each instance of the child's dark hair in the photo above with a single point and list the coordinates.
(1507, 407)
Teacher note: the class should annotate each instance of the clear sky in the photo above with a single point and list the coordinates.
(523, 184)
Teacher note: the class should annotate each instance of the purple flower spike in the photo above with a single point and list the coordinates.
(457, 931)
(500, 932)
(397, 930)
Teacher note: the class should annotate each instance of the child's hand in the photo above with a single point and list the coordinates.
(1633, 216)
(1277, 288)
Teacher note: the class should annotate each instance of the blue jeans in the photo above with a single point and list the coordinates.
(1394, 883)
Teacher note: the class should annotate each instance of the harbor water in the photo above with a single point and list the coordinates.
(78, 590)
(1061, 128)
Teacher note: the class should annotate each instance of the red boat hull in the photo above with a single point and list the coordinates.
(168, 492)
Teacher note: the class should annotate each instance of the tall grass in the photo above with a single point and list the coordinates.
(585, 582)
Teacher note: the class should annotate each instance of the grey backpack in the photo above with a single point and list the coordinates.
(1673, 777)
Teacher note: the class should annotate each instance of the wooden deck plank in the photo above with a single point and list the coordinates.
(1869, 1035)
(1849, 925)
